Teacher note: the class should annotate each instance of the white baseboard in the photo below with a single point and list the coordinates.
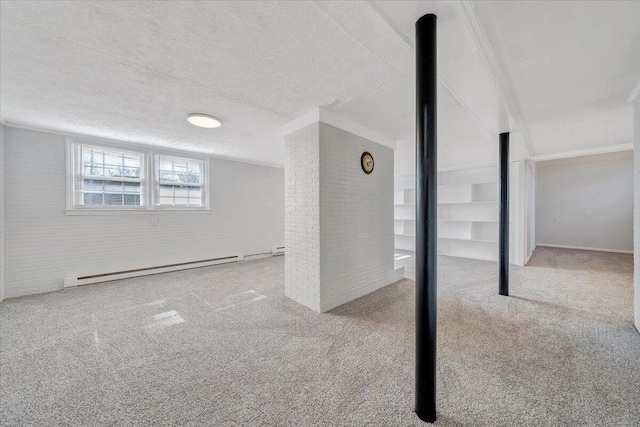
(88, 279)
(618, 251)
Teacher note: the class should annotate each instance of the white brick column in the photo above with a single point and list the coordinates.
(302, 216)
(338, 220)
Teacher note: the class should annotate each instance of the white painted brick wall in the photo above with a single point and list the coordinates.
(2, 214)
(338, 220)
(43, 245)
(356, 218)
(636, 210)
(302, 216)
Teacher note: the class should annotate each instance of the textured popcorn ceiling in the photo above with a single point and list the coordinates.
(571, 65)
(134, 70)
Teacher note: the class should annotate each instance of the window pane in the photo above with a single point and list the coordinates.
(178, 181)
(132, 199)
(93, 199)
(110, 177)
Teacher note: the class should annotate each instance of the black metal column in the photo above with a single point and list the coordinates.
(503, 225)
(426, 217)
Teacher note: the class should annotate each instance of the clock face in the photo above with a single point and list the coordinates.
(366, 161)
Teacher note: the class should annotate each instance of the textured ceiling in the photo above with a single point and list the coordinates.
(571, 66)
(134, 70)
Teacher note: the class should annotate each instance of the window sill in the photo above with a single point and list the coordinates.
(161, 211)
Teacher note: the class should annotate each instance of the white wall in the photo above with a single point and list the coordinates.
(302, 216)
(356, 218)
(2, 211)
(636, 229)
(339, 220)
(586, 202)
(530, 202)
(43, 245)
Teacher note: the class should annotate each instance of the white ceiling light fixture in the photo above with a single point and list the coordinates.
(204, 120)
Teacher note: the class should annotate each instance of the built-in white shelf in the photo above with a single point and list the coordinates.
(405, 242)
(404, 227)
(468, 240)
(466, 203)
(467, 213)
(404, 196)
(466, 220)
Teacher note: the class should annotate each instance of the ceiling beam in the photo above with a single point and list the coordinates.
(442, 81)
(471, 24)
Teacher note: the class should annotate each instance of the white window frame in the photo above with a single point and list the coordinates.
(76, 177)
(204, 181)
(147, 178)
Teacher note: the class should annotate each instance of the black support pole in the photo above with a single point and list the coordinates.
(503, 238)
(426, 217)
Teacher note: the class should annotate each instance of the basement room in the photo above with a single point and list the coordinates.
(319, 213)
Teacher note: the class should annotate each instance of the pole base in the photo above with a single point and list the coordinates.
(427, 417)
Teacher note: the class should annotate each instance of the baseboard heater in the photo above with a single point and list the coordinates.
(125, 274)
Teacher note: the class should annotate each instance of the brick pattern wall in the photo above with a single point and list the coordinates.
(338, 220)
(356, 218)
(636, 210)
(302, 216)
(43, 245)
(2, 212)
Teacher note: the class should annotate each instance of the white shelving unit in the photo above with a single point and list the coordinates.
(405, 218)
(467, 213)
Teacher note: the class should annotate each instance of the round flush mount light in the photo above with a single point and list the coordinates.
(204, 120)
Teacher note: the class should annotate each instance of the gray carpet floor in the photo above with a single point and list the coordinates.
(223, 346)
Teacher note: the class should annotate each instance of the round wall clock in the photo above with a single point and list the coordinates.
(366, 161)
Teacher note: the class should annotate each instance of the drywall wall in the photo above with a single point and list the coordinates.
(636, 210)
(339, 220)
(530, 220)
(43, 245)
(2, 225)
(586, 202)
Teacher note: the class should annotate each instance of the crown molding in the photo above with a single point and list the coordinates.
(322, 115)
(473, 28)
(634, 93)
(584, 152)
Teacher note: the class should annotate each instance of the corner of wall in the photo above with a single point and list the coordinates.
(636, 213)
(2, 216)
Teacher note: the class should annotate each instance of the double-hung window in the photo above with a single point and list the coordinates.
(180, 182)
(108, 177)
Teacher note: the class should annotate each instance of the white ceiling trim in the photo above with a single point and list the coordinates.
(323, 115)
(473, 28)
(634, 93)
(585, 152)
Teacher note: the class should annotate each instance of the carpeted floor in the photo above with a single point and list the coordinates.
(222, 346)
